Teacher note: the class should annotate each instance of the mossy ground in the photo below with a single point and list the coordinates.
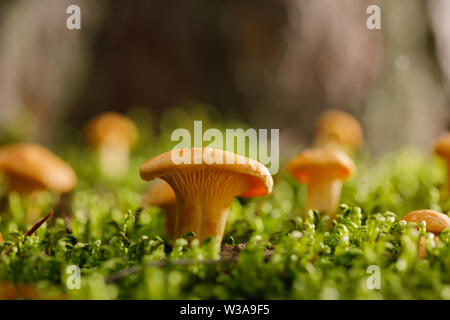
(286, 255)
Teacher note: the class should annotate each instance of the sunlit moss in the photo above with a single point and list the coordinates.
(288, 254)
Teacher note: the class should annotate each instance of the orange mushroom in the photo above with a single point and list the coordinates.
(338, 129)
(204, 189)
(435, 221)
(442, 149)
(323, 171)
(162, 195)
(113, 135)
(30, 167)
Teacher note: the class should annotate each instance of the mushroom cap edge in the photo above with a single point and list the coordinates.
(436, 221)
(162, 165)
(442, 145)
(326, 162)
(111, 127)
(36, 163)
(161, 193)
(340, 125)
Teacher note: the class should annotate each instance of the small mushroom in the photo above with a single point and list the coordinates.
(435, 221)
(442, 149)
(113, 135)
(323, 170)
(338, 129)
(30, 167)
(206, 186)
(162, 195)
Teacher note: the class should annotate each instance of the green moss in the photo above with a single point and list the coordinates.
(119, 245)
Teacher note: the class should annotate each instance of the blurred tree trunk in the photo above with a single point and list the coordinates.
(407, 106)
(440, 21)
(277, 64)
(42, 63)
(331, 59)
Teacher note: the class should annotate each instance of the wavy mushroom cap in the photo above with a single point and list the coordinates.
(160, 194)
(31, 167)
(321, 163)
(339, 127)
(111, 128)
(436, 221)
(442, 145)
(256, 175)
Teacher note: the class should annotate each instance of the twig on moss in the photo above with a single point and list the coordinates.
(32, 229)
(37, 225)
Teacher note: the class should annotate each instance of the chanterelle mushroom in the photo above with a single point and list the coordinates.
(323, 171)
(442, 149)
(338, 129)
(113, 135)
(30, 167)
(205, 189)
(435, 221)
(162, 195)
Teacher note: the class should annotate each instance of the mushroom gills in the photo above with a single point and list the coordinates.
(23, 184)
(203, 200)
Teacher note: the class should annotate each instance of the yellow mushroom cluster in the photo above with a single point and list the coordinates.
(196, 196)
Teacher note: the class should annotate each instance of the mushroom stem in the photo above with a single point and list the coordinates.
(63, 209)
(201, 216)
(421, 248)
(114, 159)
(170, 210)
(324, 195)
(203, 201)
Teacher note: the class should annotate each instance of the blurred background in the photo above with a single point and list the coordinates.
(268, 63)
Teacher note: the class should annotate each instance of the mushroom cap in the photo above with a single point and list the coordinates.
(436, 221)
(160, 194)
(321, 163)
(442, 145)
(111, 128)
(35, 167)
(339, 126)
(258, 176)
